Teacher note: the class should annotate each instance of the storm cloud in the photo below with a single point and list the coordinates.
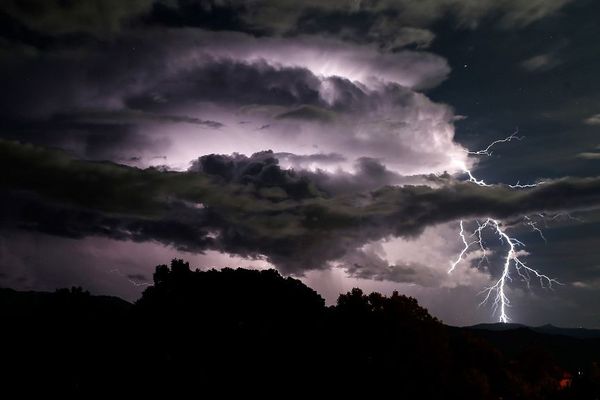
(311, 92)
(250, 206)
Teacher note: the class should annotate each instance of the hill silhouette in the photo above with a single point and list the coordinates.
(249, 332)
(580, 333)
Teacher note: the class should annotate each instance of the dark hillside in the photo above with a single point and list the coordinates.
(257, 333)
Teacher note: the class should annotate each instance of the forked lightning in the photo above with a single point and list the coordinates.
(497, 293)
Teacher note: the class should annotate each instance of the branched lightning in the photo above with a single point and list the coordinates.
(488, 150)
(512, 261)
(521, 186)
(533, 225)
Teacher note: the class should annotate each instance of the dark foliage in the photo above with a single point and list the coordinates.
(257, 333)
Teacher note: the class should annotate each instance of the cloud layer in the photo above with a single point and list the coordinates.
(177, 93)
(250, 206)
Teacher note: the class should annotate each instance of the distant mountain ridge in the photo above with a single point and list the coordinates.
(548, 329)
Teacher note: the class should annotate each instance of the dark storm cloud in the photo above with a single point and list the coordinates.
(249, 206)
(370, 263)
(116, 135)
(382, 19)
(340, 13)
(238, 83)
(391, 24)
(94, 139)
(132, 116)
(263, 170)
(207, 14)
(364, 26)
(308, 113)
(99, 17)
(180, 226)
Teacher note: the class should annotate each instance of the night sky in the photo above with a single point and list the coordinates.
(331, 140)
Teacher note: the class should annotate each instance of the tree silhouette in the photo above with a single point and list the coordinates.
(259, 333)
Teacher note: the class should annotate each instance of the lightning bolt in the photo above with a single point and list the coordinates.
(488, 150)
(133, 282)
(496, 293)
(533, 225)
(464, 250)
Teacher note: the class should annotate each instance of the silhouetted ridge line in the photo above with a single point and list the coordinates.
(236, 330)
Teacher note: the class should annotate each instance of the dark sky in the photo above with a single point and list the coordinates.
(329, 140)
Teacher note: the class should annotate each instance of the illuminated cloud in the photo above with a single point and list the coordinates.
(199, 92)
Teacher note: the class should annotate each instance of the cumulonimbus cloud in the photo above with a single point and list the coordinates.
(310, 94)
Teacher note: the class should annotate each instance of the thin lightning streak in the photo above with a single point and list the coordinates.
(500, 298)
(467, 245)
(534, 227)
(488, 150)
(520, 186)
(133, 282)
(569, 216)
(464, 250)
(497, 291)
(480, 228)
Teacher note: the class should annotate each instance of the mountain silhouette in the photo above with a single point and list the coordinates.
(580, 333)
(256, 333)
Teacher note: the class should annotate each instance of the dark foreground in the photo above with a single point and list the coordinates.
(255, 332)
